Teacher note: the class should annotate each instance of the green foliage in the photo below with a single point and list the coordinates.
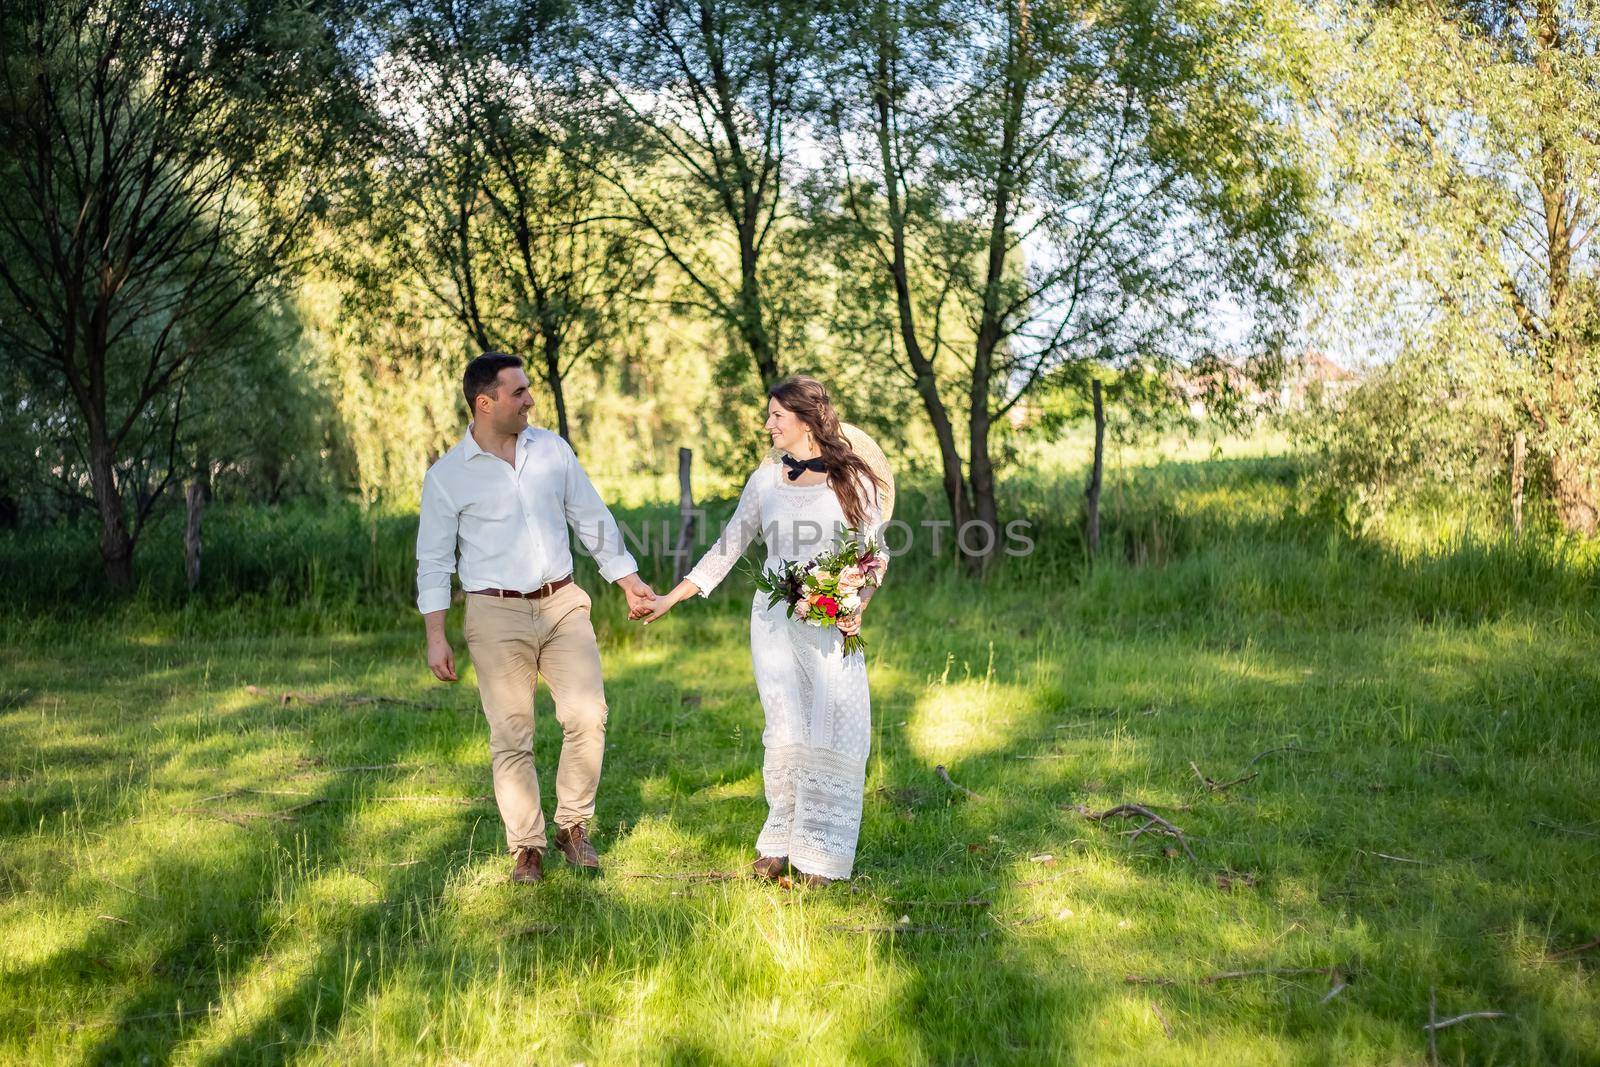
(1460, 159)
(1414, 430)
(178, 154)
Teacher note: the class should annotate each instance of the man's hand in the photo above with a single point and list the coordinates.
(640, 596)
(441, 660)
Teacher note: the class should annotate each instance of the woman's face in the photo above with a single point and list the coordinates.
(784, 427)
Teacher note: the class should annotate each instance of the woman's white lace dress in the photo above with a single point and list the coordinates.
(818, 715)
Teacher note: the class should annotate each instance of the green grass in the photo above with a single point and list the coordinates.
(1444, 699)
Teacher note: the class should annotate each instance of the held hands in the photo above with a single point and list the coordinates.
(640, 596)
(656, 609)
(657, 606)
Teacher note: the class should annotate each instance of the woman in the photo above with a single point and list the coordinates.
(818, 717)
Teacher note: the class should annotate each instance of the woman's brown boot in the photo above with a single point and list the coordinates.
(770, 867)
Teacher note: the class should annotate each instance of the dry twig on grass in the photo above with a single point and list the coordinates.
(1574, 950)
(904, 928)
(1397, 859)
(181, 1013)
(1227, 976)
(1463, 1017)
(944, 776)
(684, 876)
(125, 889)
(970, 902)
(1162, 1019)
(1274, 972)
(1153, 822)
(437, 799)
(1433, 1014)
(257, 792)
(1546, 824)
(242, 818)
(284, 699)
(1214, 786)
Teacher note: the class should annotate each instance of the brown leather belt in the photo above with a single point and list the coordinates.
(533, 594)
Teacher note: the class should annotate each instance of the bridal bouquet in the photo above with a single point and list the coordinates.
(828, 587)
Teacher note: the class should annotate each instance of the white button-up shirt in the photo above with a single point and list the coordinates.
(509, 524)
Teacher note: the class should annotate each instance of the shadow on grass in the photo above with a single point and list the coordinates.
(1432, 746)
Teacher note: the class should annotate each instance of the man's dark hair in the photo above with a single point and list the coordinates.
(482, 373)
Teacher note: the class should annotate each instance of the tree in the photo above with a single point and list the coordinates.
(707, 93)
(1465, 186)
(1042, 187)
(168, 159)
(500, 211)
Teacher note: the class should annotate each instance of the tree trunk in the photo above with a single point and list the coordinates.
(551, 336)
(1574, 479)
(957, 493)
(1092, 492)
(116, 544)
(1576, 489)
(983, 536)
(752, 324)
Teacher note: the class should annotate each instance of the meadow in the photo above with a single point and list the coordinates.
(250, 827)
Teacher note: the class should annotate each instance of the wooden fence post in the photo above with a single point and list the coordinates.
(195, 500)
(1519, 463)
(680, 553)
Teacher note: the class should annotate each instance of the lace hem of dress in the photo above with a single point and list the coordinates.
(814, 798)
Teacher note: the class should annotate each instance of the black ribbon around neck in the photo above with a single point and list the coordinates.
(798, 467)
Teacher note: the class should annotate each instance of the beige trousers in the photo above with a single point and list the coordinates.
(513, 642)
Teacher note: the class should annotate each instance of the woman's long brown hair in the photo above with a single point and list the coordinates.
(848, 472)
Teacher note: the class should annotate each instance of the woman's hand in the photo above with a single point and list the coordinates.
(655, 608)
(650, 610)
(851, 625)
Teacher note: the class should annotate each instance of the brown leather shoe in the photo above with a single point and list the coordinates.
(812, 881)
(573, 841)
(769, 867)
(530, 865)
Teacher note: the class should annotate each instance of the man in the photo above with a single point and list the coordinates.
(503, 498)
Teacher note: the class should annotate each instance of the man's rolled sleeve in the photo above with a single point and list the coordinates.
(436, 546)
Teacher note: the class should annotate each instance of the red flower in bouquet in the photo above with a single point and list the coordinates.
(829, 606)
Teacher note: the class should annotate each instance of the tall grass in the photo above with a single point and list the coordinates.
(249, 827)
(1232, 527)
